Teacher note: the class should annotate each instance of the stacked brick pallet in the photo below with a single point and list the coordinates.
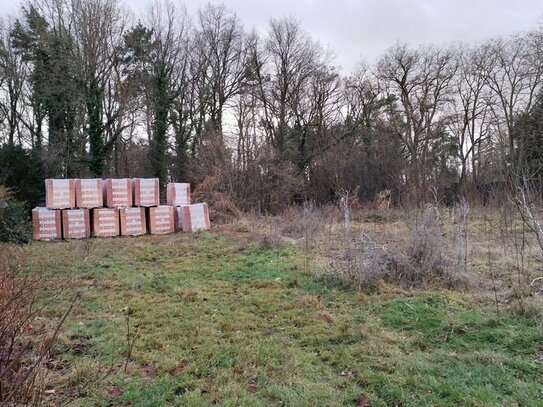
(189, 217)
(81, 208)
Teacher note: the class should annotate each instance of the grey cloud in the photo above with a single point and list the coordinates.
(356, 29)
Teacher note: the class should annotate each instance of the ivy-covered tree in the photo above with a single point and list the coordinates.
(22, 172)
(98, 41)
(153, 56)
(528, 135)
(49, 48)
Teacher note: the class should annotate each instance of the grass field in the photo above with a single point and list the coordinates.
(215, 320)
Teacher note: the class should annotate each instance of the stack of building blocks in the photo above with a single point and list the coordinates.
(59, 193)
(76, 223)
(46, 224)
(192, 218)
(189, 217)
(178, 194)
(105, 222)
(89, 193)
(118, 192)
(133, 221)
(161, 220)
(81, 208)
(146, 192)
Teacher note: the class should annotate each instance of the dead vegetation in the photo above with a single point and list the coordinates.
(26, 338)
(5, 193)
(492, 252)
(19, 373)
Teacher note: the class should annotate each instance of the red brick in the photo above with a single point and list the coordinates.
(89, 193)
(146, 191)
(46, 224)
(161, 220)
(76, 223)
(178, 194)
(118, 192)
(59, 193)
(105, 222)
(191, 218)
(133, 221)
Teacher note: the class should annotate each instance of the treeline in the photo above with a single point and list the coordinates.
(261, 120)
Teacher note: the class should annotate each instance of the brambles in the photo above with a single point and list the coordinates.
(25, 342)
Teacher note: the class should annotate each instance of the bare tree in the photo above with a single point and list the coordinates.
(221, 41)
(247, 110)
(296, 85)
(470, 110)
(421, 80)
(512, 69)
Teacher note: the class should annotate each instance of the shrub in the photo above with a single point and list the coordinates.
(15, 226)
(264, 183)
(22, 172)
(419, 263)
(425, 250)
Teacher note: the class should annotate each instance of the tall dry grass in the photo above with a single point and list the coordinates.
(487, 251)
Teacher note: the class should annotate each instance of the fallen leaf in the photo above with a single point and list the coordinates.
(115, 393)
(180, 366)
(364, 402)
(327, 317)
(149, 370)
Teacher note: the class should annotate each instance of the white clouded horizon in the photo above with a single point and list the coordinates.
(357, 30)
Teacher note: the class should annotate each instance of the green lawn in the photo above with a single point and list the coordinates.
(220, 322)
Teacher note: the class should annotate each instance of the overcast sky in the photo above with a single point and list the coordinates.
(364, 29)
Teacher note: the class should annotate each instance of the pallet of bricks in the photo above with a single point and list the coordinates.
(81, 208)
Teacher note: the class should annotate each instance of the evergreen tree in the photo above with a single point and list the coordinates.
(54, 86)
(528, 134)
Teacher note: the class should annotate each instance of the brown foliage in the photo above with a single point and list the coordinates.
(264, 184)
(25, 342)
(5, 193)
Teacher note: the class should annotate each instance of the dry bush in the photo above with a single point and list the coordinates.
(5, 193)
(270, 242)
(428, 250)
(528, 288)
(367, 266)
(25, 341)
(346, 166)
(419, 262)
(230, 187)
(221, 205)
(425, 250)
(529, 215)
